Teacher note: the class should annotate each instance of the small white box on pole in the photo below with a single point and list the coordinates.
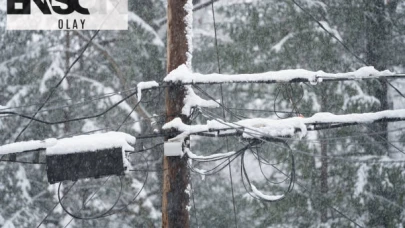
(173, 149)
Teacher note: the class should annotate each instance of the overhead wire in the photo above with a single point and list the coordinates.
(93, 131)
(244, 174)
(53, 90)
(264, 137)
(345, 216)
(54, 207)
(76, 119)
(223, 112)
(341, 213)
(73, 119)
(349, 50)
(138, 103)
(333, 208)
(85, 100)
(108, 212)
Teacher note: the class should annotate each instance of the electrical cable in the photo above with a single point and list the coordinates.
(259, 135)
(74, 119)
(50, 212)
(53, 90)
(223, 113)
(345, 216)
(329, 33)
(69, 120)
(85, 102)
(245, 173)
(104, 214)
(343, 45)
(108, 212)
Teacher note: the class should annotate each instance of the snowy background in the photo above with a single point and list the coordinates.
(345, 177)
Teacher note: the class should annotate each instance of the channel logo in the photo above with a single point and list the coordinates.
(67, 14)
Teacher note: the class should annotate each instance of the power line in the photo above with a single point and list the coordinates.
(261, 134)
(93, 98)
(223, 113)
(54, 207)
(70, 120)
(341, 213)
(344, 45)
(107, 213)
(329, 33)
(53, 90)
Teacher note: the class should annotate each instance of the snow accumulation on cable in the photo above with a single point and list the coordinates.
(258, 127)
(184, 128)
(185, 75)
(91, 143)
(326, 117)
(259, 194)
(145, 85)
(76, 144)
(192, 100)
(212, 156)
(26, 146)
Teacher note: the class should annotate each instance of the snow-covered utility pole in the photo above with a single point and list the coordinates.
(176, 174)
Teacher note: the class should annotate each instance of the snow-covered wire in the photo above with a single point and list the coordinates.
(267, 139)
(244, 174)
(222, 165)
(255, 193)
(329, 205)
(349, 50)
(109, 212)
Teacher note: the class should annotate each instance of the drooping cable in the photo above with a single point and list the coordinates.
(53, 90)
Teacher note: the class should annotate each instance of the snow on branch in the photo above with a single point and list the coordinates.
(145, 85)
(76, 144)
(186, 76)
(138, 20)
(262, 127)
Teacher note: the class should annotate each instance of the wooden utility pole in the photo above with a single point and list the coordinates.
(176, 174)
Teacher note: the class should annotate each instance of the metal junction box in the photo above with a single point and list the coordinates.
(94, 164)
